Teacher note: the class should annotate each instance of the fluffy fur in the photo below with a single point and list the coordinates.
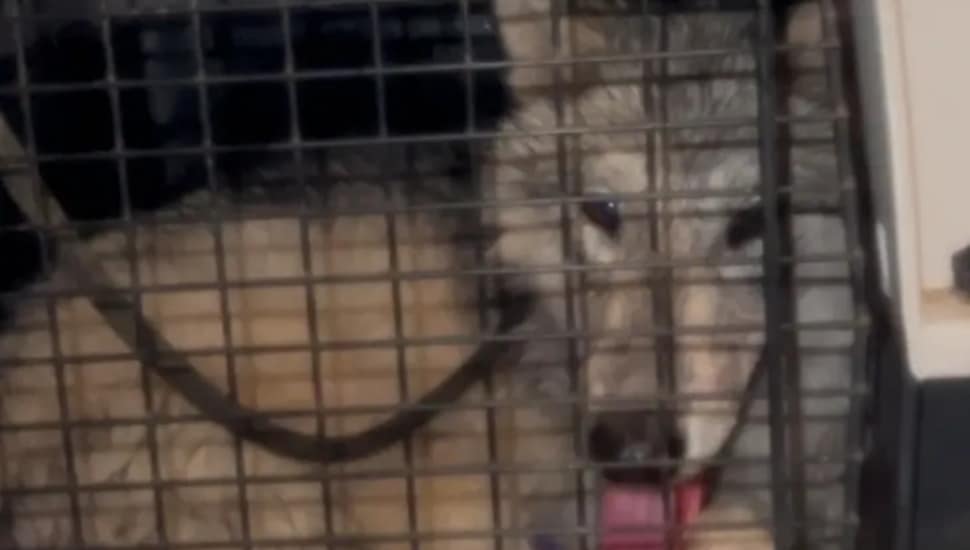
(711, 165)
(712, 172)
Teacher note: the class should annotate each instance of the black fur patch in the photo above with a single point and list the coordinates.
(748, 224)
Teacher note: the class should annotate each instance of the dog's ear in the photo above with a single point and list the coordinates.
(804, 27)
(527, 28)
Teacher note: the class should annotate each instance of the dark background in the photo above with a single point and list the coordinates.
(250, 114)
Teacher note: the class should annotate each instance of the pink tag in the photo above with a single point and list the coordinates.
(691, 498)
(632, 518)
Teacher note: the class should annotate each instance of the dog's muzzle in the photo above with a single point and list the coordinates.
(641, 504)
(636, 446)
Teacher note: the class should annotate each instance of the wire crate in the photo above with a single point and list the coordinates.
(430, 274)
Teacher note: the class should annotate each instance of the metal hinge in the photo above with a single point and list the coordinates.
(961, 270)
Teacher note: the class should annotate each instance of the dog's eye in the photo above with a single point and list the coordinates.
(604, 213)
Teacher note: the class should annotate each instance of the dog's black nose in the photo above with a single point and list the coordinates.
(642, 446)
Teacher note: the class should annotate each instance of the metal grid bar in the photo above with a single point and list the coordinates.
(401, 359)
(458, 340)
(486, 287)
(398, 313)
(485, 292)
(50, 306)
(151, 428)
(390, 219)
(618, 404)
(440, 471)
(271, 5)
(505, 405)
(326, 491)
(423, 139)
(220, 262)
(774, 296)
(573, 283)
(789, 310)
(469, 59)
(658, 166)
(257, 214)
(846, 178)
(472, 66)
(451, 536)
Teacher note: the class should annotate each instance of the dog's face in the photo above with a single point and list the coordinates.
(651, 285)
(677, 327)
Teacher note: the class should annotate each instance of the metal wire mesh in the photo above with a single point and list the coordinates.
(249, 105)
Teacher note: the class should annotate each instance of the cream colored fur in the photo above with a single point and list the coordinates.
(369, 496)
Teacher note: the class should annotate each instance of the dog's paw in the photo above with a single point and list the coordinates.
(729, 527)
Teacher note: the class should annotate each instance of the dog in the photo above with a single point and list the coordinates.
(702, 167)
(507, 465)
